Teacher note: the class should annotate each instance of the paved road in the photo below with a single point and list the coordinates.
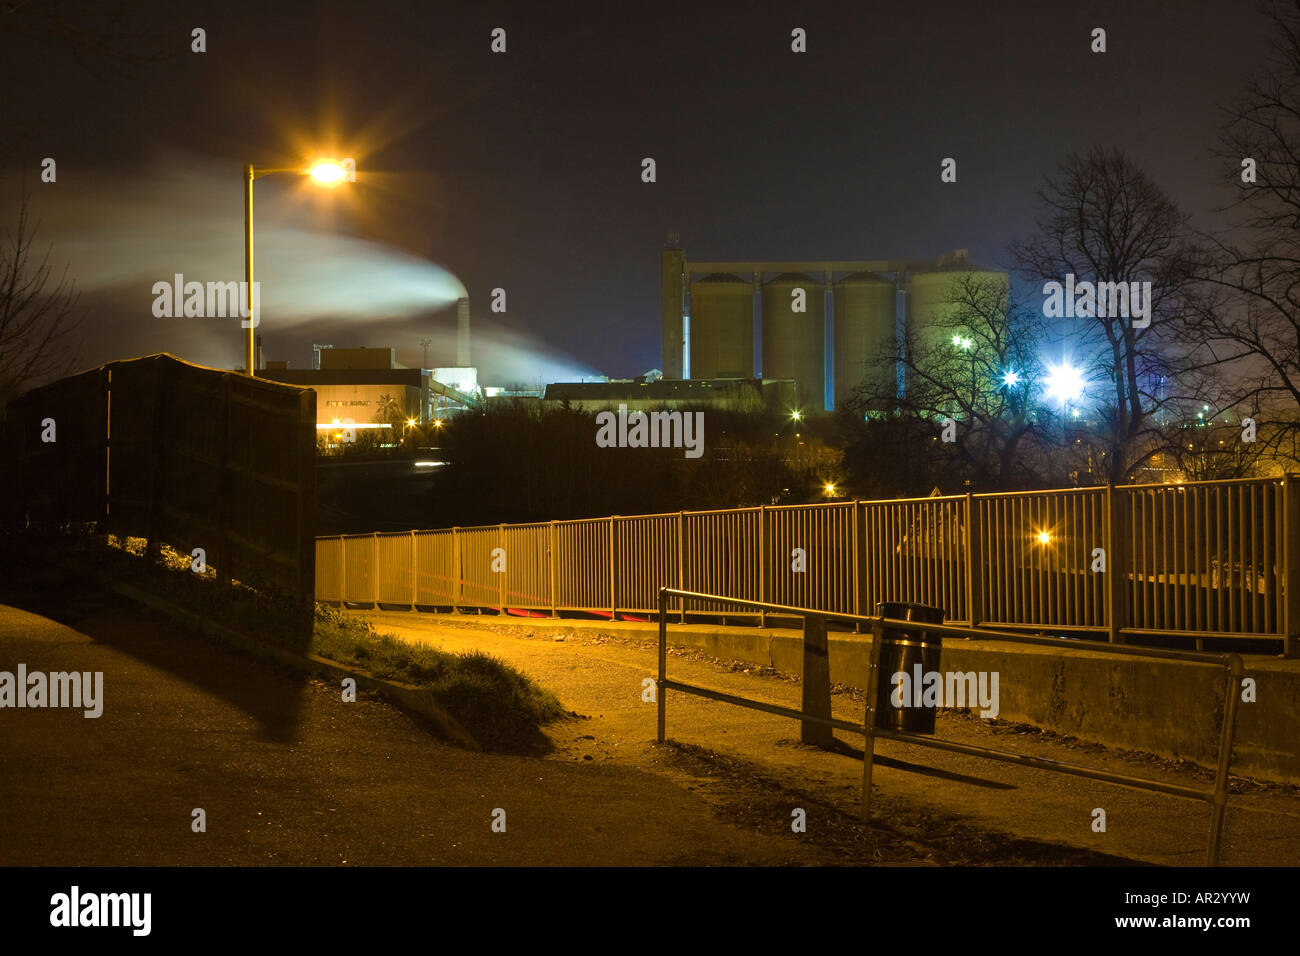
(289, 774)
(603, 678)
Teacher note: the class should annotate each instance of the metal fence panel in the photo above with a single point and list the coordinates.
(437, 577)
(582, 559)
(646, 549)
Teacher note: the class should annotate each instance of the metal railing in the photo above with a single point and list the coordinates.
(1208, 559)
(816, 712)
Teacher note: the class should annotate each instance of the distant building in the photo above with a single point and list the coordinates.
(817, 322)
(367, 388)
(731, 394)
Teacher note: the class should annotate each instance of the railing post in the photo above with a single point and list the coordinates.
(681, 564)
(501, 587)
(415, 575)
(762, 563)
(1232, 688)
(458, 573)
(661, 692)
(1117, 557)
(613, 573)
(974, 567)
(374, 570)
(869, 721)
(859, 561)
(554, 582)
(343, 571)
(1291, 565)
(816, 683)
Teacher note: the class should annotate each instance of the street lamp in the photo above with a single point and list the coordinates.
(1064, 384)
(323, 172)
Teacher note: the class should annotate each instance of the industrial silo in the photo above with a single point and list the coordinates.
(794, 335)
(722, 327)
(931, 315)
(864, 327)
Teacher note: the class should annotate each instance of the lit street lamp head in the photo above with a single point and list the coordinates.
(328, 172)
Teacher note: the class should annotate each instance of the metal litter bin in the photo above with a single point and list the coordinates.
(901, 651)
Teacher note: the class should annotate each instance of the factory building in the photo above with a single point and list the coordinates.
(817, 323)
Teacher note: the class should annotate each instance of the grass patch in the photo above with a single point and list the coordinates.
(500, 706)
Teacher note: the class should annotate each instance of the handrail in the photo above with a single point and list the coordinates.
(1217, 797)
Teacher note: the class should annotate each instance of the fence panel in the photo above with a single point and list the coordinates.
(480, 585)
(528, 570)
(721, 554)
(645, 550)
(329, 569)
(1037, 552)
(820, 573)
(1206, 557)
(436, 574)
(395, 581)
(915, 550)
(582, 559)
(359, 568)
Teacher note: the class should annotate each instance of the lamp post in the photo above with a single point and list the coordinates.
(326, 172)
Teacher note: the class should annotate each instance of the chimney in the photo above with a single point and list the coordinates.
(462, 333)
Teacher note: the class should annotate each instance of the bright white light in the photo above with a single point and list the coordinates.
(1011, 379)
(1064, 383)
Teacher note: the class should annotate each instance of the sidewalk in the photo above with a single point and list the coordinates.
(598, 669)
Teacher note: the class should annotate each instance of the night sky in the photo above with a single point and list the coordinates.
(522, 170)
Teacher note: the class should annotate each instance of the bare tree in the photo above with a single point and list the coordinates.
(1253, 323)
(1103, 220)
(976, 365)
(35, 318)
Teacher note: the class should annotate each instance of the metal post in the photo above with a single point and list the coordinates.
(681, 564)
(869, 743)
(661, 692)
(1291, 564)
(1116, 563)
(762, 563)
(554, 572)
(501, 588)
(974, 566)
(613, 574)
(374, 570)
(458, 576)
(1231, 690)
(415, 572)
(250, 348)
(816, 682)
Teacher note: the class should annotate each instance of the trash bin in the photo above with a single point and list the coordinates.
(902, 651)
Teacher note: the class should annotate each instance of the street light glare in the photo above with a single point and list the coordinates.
(1011, 379)
(1044, 537)
(1064, 383)
(328, 172)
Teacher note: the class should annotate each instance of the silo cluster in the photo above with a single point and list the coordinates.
(713, 313)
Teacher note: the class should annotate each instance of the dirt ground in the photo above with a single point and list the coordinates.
(929, 806)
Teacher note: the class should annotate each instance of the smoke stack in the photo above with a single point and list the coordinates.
(462, 333)
(258, 362)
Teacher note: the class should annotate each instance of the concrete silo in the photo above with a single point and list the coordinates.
(722, 327)
(794, 335)
(865, 309)
(931, 315)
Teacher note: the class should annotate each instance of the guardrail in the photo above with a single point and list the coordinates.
(1201, 560)
(816, 712)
